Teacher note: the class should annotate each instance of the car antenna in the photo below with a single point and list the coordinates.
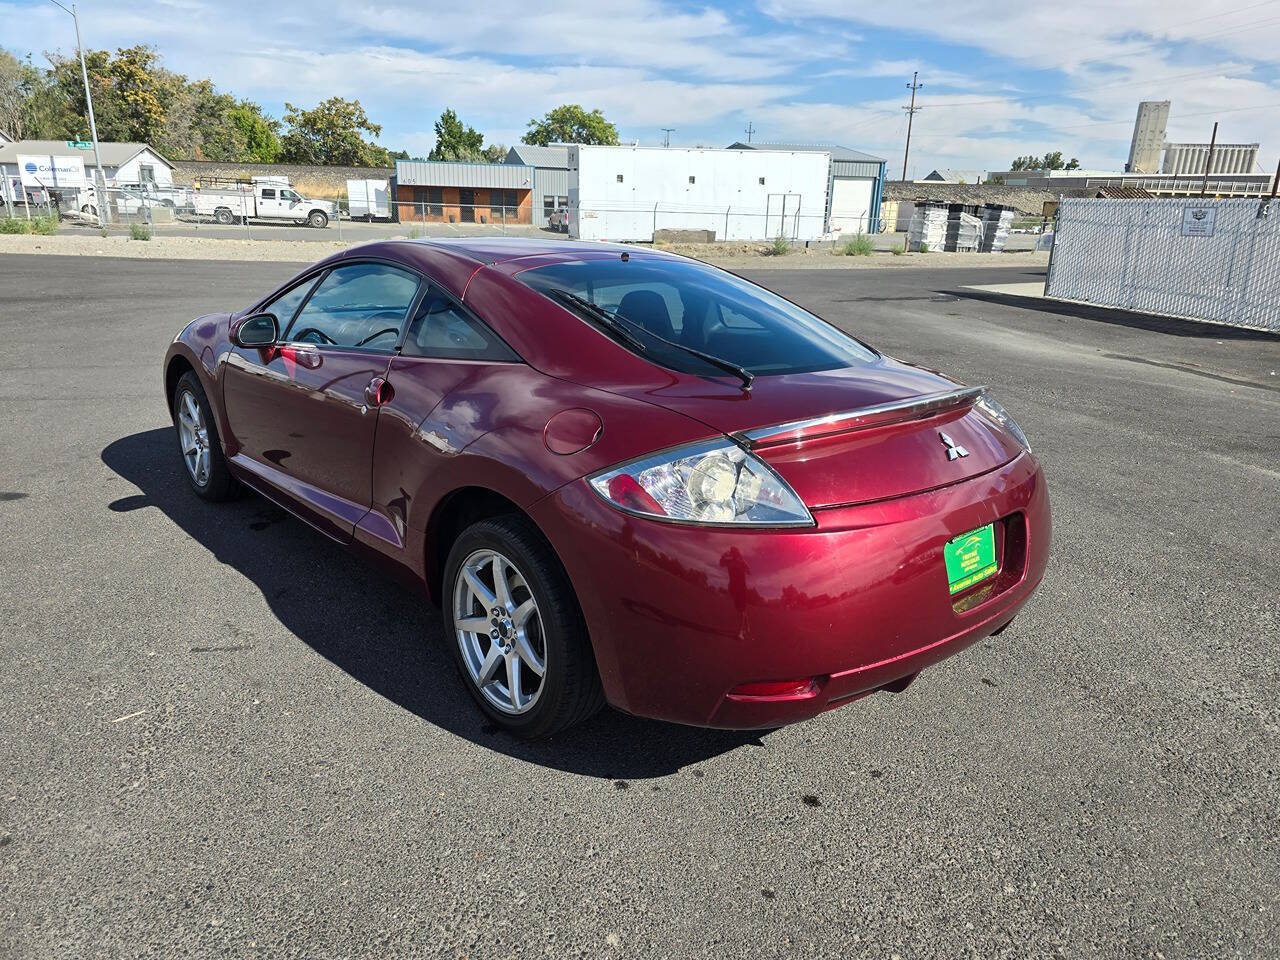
(625, 256)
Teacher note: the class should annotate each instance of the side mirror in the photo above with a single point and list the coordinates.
(259, 330)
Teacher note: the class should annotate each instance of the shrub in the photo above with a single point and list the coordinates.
(13, 225)
(859, 245)
(924, 247)
(779, 248)
(45, 226)
(898, 249)
(139, 231)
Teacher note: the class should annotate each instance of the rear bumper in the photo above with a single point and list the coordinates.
(679, 616)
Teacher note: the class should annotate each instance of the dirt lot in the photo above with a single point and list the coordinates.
(294, 251)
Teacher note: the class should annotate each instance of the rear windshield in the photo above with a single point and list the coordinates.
(707, 310)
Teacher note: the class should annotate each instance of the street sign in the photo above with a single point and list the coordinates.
(79, 144)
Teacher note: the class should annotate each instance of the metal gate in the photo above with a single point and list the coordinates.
(1202, 259)
(782, 215)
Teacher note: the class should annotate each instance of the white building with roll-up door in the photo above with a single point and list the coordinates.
(855, 184)
(636, 193)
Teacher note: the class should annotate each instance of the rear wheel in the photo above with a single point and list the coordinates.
(198, 444)
(224, 216)
(516, 631)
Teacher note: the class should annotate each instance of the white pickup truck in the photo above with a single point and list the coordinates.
(263, 198)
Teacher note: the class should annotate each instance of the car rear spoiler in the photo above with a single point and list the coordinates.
(896, 411)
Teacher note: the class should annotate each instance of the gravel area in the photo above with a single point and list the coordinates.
(309, 250)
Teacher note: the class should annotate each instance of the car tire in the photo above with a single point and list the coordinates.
(318, 219)
(224, 216)
(568, 691)
(195, 427)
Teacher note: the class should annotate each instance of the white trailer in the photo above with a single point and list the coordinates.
(262, 198)
(632, 192)
(368, 200)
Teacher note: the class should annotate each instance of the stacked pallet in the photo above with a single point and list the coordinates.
(928, 228)
(964, 233)
(996, 223)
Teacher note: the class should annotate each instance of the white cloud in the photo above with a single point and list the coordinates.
(705, 72)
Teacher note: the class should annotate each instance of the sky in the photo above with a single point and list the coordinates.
(1000, 79)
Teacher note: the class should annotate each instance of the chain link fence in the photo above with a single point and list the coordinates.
(1200, 259)
(258, 210)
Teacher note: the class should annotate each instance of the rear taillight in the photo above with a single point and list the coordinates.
(713, 482)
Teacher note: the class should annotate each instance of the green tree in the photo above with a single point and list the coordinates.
(260, 132)
(569, 123)
(455, 140)
(331, 134)
(1050, 161)
(15, 76)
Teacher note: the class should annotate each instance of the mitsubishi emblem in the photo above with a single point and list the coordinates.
(954, 451)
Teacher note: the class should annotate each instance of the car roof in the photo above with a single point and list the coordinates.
(491, 250)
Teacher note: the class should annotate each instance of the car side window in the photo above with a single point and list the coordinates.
(286, 305)
(441, 328)
(357, 305)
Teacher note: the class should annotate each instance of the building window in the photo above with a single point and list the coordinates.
(146, 173)
(548, 206)
(619, 178)
(762, 181)
(429, 201)
(502, 200)
(693, 179)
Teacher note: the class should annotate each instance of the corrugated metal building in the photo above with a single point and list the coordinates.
(855, 186)
(550, 174)
(463, 192)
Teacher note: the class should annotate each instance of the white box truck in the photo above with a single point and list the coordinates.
(368, 200)
(261, 198)
(633, 193)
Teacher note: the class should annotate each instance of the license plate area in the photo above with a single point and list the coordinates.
(1010, 535)
(971, 558)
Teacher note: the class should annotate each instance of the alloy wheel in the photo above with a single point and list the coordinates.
(193, 433)
(500, 631)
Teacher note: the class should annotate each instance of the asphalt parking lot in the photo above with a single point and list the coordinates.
(226, 737)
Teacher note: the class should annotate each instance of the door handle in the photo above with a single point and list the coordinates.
(378, 392)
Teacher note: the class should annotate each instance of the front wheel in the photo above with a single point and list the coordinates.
(516, 631)
(198, 443)
(318, 218)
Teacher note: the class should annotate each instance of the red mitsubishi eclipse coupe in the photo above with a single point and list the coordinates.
(624, 476)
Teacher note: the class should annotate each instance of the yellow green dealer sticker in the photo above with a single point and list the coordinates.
(971, 558)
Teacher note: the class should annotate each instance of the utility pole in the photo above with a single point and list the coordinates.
(750, 130)
(103, 216)
(1208, 161)
(914, 85)
(667, 131)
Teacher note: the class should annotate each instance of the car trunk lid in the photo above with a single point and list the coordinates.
(854, 435)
